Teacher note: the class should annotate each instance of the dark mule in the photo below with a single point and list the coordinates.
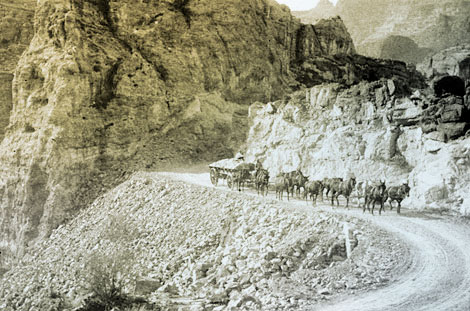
(398, 193)
(299, 182)
(343, 188)
(262, 181)
(239, 178)
(281, 183)
(329, 183)
(374, 194)
(313, 188)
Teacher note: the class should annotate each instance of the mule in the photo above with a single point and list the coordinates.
(328, 183)
(398, 193)
(262, 181)
(299, 182)
(343, 188)
(239, 178)
(313, 188)
(281, 183)
(359, 191)
(374, 194)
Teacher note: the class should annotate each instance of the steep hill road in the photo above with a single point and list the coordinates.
(438, 277)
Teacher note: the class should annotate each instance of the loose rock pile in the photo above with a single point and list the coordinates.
(203, 249)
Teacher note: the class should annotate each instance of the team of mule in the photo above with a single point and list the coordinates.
(292, 183)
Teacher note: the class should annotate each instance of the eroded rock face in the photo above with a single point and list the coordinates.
(454, 61)
(111, 87)
(5, 101)
(16, 31)
(373, 132)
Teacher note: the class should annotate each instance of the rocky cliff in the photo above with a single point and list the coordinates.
(454, 61)
(372, 131)
(109, 87)
(375, 26)
(16, 31)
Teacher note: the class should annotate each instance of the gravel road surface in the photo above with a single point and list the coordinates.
(437, 276)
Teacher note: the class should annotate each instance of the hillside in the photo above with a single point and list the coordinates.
(202, 248)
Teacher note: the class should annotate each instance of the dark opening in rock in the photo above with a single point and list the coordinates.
(449, 84)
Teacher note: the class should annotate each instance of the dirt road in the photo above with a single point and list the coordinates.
(438, 274)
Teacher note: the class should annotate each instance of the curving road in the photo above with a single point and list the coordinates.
(438, 277)
(438, 273)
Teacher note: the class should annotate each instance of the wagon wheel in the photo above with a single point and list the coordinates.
(214, 176)
(229, 181)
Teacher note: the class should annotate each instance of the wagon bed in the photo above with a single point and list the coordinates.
(225, 169)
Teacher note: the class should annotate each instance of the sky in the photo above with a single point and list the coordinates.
(301, 5)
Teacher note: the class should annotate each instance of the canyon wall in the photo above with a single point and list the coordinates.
(16, 31)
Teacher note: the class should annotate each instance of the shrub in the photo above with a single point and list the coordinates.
(107, 276)
(109, 269)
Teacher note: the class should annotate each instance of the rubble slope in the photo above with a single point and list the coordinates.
(210, 247)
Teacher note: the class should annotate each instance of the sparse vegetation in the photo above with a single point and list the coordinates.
(109, 270)
(107, 276)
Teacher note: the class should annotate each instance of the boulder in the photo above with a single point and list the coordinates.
(145, 286)
(452, 113)
(406, 113)
(453, 130)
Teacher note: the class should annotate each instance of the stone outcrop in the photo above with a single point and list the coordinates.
(432, 25)
(371, 131)
(454, 61)
(110, 87)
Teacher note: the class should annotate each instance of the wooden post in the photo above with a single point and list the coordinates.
(347, 239)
